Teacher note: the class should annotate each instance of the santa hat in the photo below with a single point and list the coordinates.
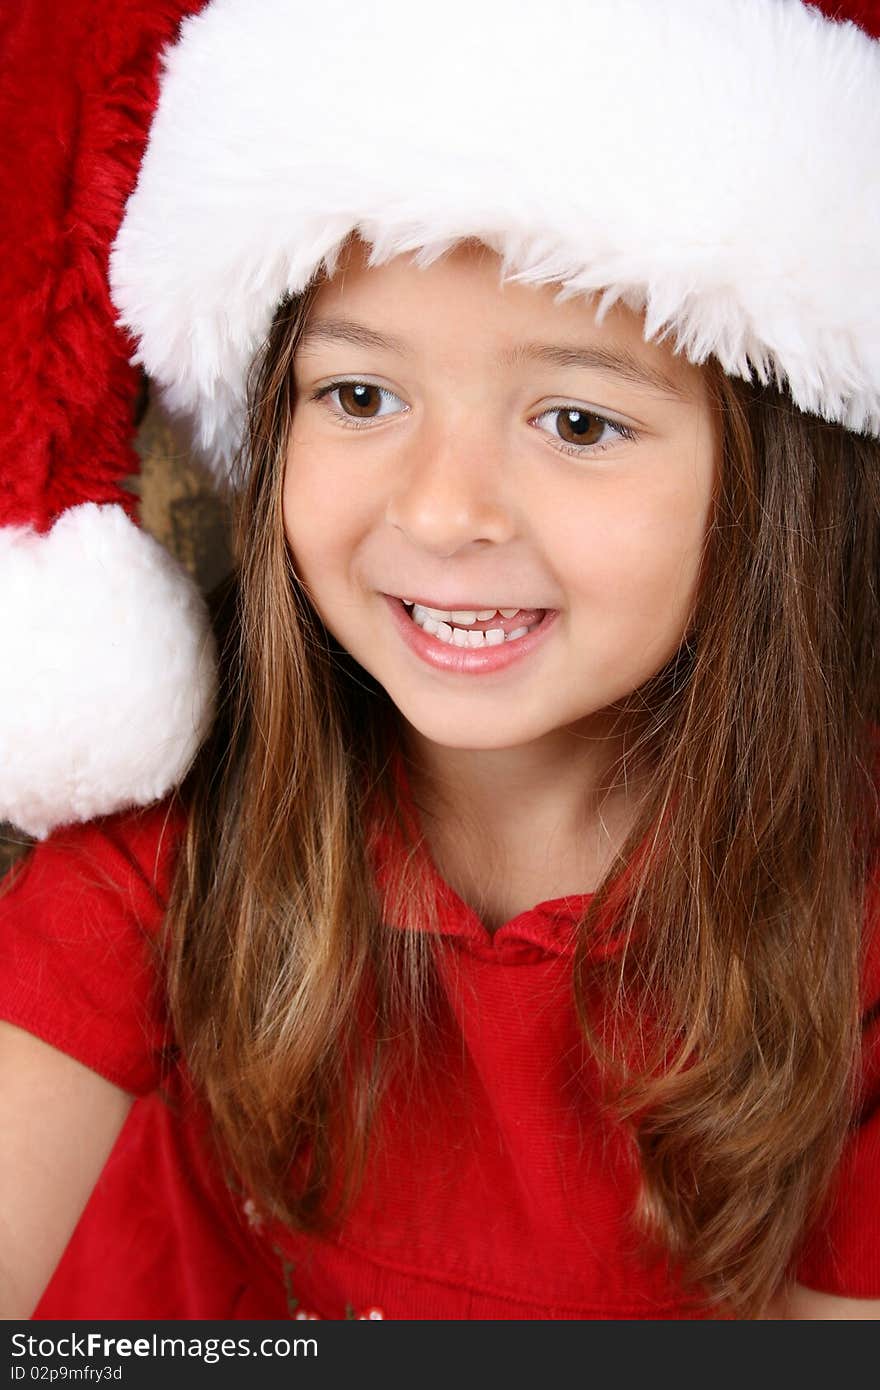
(712, 163)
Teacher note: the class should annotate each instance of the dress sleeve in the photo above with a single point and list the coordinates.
(842, 1256)
(79, 919)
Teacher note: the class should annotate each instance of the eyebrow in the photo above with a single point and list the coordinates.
(610, 361)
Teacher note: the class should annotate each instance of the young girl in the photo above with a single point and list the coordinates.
(510, 949)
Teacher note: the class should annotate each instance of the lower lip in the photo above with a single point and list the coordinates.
(472, 661)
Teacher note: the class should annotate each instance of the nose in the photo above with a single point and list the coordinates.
(451, 491)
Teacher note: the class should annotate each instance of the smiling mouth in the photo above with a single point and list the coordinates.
(473, 628)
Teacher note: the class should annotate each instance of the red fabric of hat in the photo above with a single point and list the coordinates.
(103, 700)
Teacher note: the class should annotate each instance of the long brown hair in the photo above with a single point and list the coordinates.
(728, 1032)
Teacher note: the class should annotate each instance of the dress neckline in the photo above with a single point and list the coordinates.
(548, 927)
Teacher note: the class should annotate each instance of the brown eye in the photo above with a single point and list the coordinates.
(360, 399)
(582, 432)
(579, 426)
(359, 402)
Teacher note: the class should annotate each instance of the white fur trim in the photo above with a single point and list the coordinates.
(108, 678)
(714, 162)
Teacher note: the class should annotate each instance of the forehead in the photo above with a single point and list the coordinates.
(459, 305)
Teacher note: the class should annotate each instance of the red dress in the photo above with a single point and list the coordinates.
(505, 1197)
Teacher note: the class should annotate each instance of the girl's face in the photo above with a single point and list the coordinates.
(475, 447)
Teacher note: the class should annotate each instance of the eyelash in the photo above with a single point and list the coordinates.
(347, 422)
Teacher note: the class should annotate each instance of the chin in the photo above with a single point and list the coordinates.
(448, 732)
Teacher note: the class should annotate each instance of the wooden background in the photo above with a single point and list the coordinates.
(180, 507)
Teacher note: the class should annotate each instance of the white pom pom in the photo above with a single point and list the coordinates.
(108, 681)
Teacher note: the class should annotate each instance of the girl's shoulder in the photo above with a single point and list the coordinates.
(79, 928)
(130, 853)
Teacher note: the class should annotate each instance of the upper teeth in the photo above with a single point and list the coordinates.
(440, 624)
(460, 615)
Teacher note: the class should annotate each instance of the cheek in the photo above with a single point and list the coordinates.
(294, 508)
(634, 547)
(314, 511)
